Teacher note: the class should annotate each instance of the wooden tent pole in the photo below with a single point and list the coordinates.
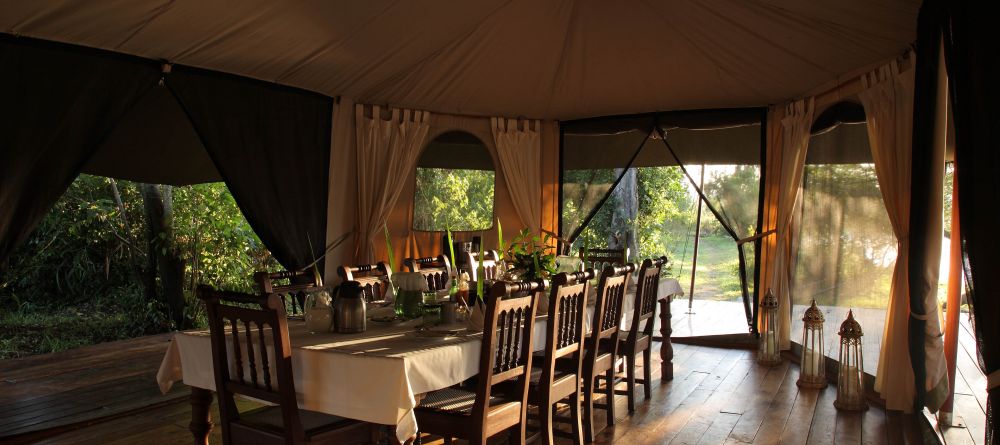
(954, 305)
(697, 239)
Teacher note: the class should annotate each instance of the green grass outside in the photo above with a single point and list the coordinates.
(31, 330)
(717, 277)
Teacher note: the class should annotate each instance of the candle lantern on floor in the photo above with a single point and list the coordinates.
(850, 393)
(812, 371)
(769, 354)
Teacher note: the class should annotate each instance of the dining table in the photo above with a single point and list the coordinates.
(376, 376)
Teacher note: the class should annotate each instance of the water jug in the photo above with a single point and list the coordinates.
(349, 312)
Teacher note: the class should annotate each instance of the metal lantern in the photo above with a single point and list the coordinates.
(850, 392)
(812, 372)
(769, 354)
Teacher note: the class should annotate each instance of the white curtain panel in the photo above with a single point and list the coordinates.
(343, 188)
(887, 96)
(795, 127)
(387, 156)
(520, 160)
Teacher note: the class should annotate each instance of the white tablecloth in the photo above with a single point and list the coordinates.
(375, 376)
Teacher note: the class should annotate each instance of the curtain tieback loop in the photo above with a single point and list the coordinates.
(917, 316)
(993, 380)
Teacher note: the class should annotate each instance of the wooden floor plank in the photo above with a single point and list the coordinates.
(822, 430)
(759, 403)
(796, 428)
(873, 428)
(780, 408)
(848, 430)
(689, 373)
(718, 396)
(967, 406)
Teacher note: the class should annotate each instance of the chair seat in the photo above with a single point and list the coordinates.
(313, 423)
(641, 343)
(561, 373)
(453, 400)
(604, 362)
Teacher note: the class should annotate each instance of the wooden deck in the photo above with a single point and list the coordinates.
(720, 317)
(107, 394)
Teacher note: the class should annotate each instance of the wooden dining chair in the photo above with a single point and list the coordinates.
(555, 376)
(597, 259)
(246, 326)
(293, 290)
(639, 337)
(436, 270)
(505, 356)
(602, 345)
(374, 279)
(489, 262)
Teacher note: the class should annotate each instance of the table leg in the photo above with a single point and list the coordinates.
(666, 349)
(201, 417)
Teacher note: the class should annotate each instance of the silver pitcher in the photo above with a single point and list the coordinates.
(349, 313)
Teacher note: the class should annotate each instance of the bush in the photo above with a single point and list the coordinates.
(78, 279)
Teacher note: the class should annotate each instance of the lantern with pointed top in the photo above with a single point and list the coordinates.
(850, 392)
(812, 372)
(769, 354)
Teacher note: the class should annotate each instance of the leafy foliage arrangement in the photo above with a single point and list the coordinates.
(531, 256)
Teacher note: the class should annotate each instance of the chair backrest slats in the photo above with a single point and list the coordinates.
(237, 350)
(608, 311)
(565, 327)
(234, 320)
(374, 279)
(250, 354)
(646, 295)
(436, 270)
(598, 259)
(299, 282)
(489, 263)
(266, 367)
(507, 340)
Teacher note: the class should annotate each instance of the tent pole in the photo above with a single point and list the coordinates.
(697, 239)
(946, 418)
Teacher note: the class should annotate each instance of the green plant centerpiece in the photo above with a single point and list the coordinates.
(531, 257)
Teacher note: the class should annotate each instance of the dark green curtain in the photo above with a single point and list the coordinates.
(59, 104)
(271, 144)
(970, 43)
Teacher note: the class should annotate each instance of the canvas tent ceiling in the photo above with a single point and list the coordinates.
(557, 59)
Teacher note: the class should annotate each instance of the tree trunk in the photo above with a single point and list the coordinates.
(624, 216)
(163, 256)
(140, 275)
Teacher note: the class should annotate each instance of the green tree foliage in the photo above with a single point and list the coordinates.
(735, 196)
(664, 209)
(218, 245)
(83, 268)
(83, 249)
(456, 199)
(846, 246)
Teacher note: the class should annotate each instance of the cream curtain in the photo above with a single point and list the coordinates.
(387, 154)
(887, 96)
(343, 188)
(520, 159)
(794, 142)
